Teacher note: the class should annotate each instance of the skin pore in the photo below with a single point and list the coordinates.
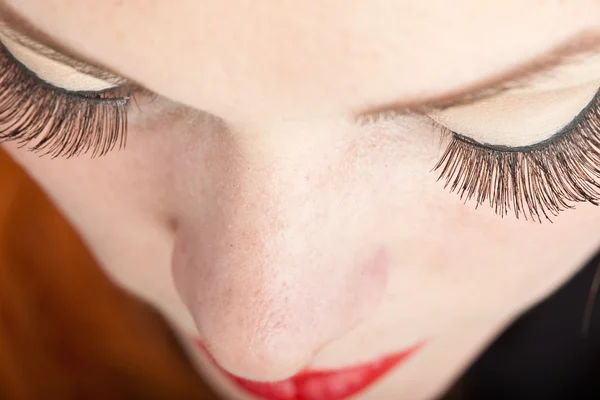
(263, 206)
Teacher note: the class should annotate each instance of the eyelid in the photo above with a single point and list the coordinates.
(521, 119)
(19, 29)
(565, 130)
(570, 51)
(53, 73)
(51, 54)
(119, 92)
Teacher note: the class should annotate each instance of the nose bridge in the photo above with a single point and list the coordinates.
(259, 275)
(265, 207)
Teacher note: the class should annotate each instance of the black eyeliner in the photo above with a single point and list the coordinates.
(534, 182)
(538, 145)
(93, 95)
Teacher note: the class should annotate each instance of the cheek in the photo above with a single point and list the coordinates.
(86, 188)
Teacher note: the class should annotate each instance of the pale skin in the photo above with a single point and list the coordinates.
(257, 213)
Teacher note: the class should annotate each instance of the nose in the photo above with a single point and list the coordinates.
(272, 267)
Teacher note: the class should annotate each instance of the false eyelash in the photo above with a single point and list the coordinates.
(56, 122)
(537, 182)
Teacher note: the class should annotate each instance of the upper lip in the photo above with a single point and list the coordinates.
(329, 384)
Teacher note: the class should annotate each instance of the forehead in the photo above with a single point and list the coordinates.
(235, 57)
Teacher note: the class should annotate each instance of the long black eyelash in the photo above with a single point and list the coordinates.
(56, 122)
(537, 182)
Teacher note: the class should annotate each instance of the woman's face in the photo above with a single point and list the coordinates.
(276, 197)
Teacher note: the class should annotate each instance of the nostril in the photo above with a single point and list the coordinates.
(243, 370)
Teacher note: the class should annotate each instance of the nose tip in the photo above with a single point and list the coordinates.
(267, 326)
(264, 333)
(267, 292)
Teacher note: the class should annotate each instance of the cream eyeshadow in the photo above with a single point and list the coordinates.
(528, 113)
(54, 72)
(517, 120)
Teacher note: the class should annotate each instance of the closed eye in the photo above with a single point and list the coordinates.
(534, 182)
(59, 114)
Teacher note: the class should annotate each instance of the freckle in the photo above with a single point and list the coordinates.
(307, 178)
(377, 268)
(119, 35)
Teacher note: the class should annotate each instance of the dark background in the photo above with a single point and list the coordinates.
(545, 354)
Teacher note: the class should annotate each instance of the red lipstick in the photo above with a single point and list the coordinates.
(324, 384)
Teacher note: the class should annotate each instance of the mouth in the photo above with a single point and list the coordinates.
(331, 384)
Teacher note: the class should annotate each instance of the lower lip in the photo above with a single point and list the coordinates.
(323, 384)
